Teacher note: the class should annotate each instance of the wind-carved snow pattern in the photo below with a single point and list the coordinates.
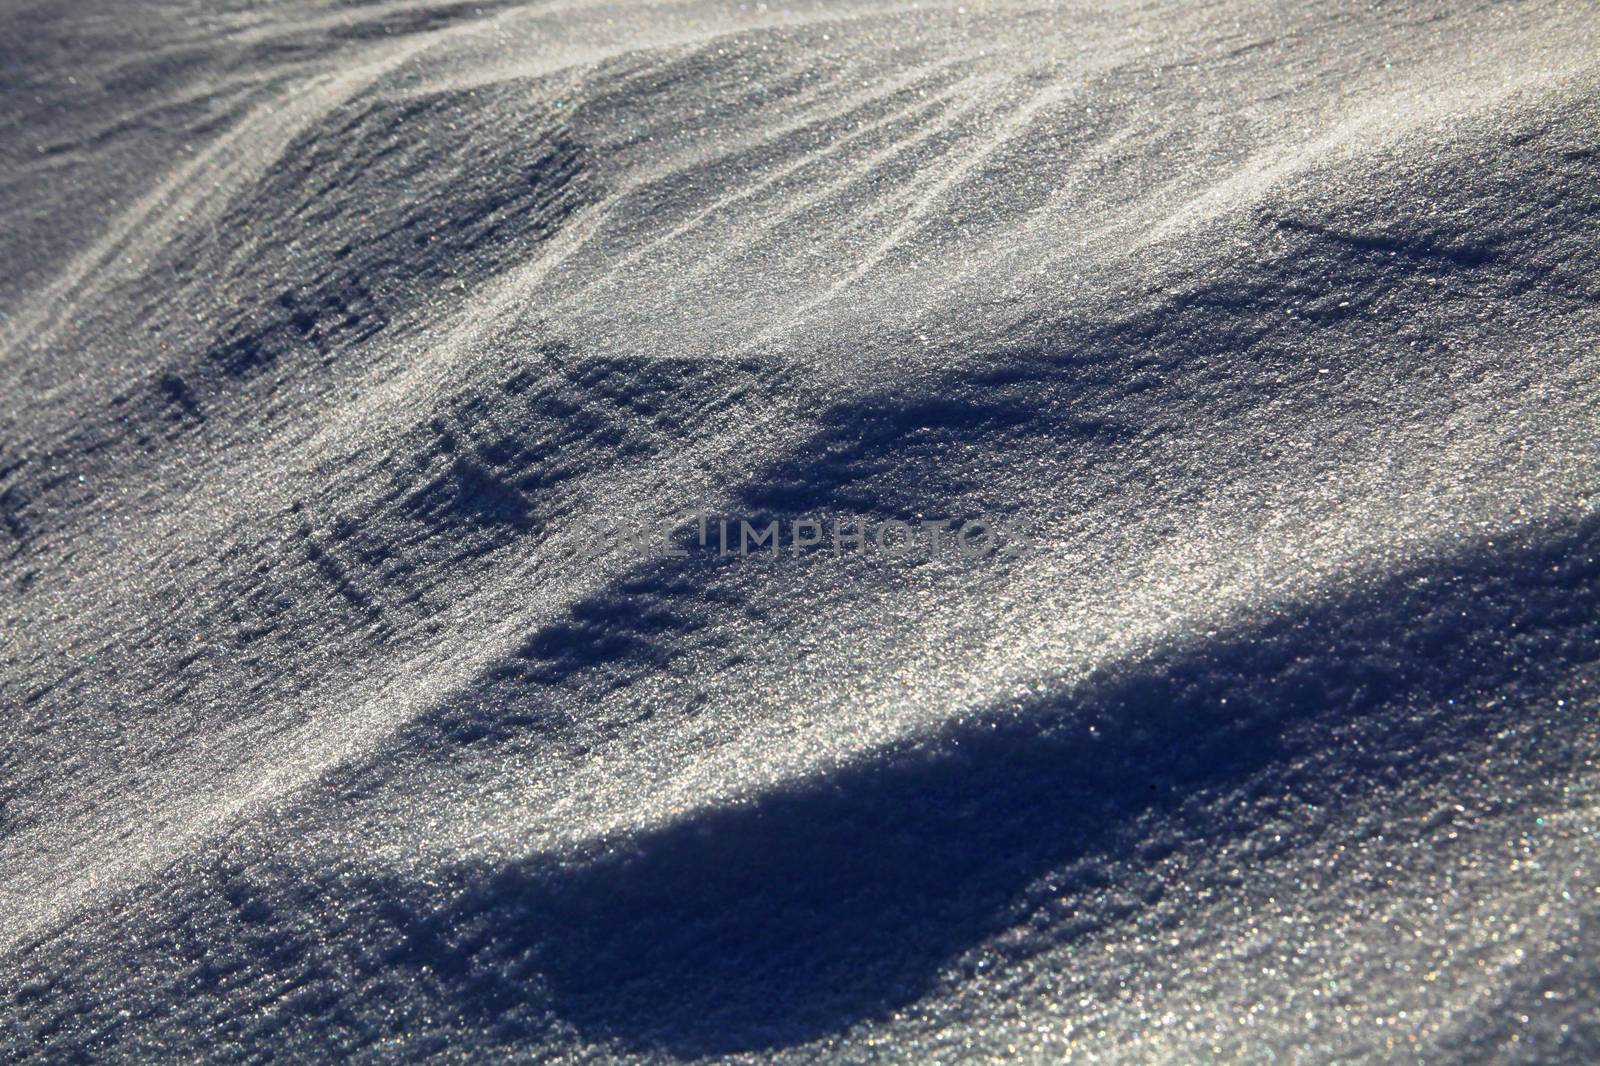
(332, 333)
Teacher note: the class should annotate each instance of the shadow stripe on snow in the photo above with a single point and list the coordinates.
(843, 897)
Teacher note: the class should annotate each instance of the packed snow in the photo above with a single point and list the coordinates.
(1216, 391)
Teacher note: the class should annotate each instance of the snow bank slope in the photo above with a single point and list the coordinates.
(332, 333)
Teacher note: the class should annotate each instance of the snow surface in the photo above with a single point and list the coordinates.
(330, 330)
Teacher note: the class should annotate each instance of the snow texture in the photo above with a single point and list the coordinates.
(330, 332)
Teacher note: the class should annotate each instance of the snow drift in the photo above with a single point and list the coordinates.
(333, 330)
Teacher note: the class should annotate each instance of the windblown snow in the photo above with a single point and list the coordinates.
(334, 334)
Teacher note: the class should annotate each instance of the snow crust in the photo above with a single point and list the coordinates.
(330, 331)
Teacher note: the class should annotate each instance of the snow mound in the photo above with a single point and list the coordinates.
(336, 338)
